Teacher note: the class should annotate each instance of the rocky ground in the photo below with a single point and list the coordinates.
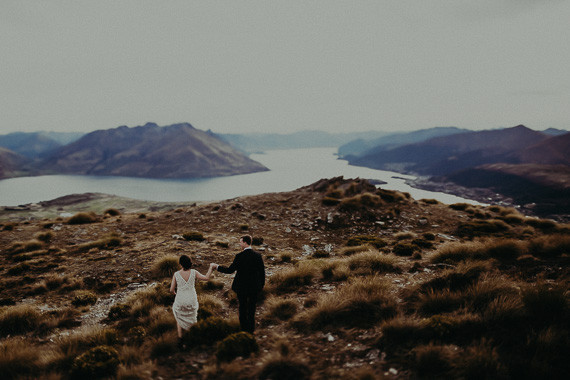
(296, 224)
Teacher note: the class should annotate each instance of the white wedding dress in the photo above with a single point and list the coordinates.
(185, 307)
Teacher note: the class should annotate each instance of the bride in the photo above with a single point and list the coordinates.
(185, 307)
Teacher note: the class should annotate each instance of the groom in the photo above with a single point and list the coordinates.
(248, 282)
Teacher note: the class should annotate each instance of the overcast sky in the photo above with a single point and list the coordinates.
(282, 66)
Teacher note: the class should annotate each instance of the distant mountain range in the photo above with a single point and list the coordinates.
(259, 142)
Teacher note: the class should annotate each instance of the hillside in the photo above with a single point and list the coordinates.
(11, 163)
(362, 283)
(176, 151)
(370, 146)
(30, 145)
(552, 151)
(447, 154)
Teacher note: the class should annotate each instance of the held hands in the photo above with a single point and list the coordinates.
(214, 266)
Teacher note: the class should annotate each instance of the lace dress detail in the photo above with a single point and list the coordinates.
(185, 307)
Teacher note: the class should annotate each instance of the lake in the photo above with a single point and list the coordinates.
(289, 170)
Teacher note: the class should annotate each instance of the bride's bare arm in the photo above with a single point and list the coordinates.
(200, 276)
(173, 285)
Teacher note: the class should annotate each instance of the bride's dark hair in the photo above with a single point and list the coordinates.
(186, 262)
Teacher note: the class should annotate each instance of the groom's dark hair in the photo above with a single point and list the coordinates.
(186, 262)
(247, 239)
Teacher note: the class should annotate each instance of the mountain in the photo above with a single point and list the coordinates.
(31, 145)
(447, 154)
(362, 147)
(552, 151)
(554, 131)
(11, 163)
(258, 142)
(176, 151)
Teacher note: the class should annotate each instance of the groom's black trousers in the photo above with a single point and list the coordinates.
(247, 304)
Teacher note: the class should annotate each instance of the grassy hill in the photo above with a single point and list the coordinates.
(363, 283)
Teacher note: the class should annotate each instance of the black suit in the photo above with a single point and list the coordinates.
(248, 282)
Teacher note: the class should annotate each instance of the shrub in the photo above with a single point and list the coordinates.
(70, 347)
(112, 212)
(361, 303)
(84, 298)
(165, 266)
(404, 249)
(194, 236)
(222, 244)
(100, 361)
(429, 236)
(244, 227)
(459, 206)
(119, 311)
(360, 240)
(160, 321)
(83, 218)
(209, 330)
(257, 241)
(286, 257)
(18, 359)
(238, 344)
(19, 319)
(320, 254)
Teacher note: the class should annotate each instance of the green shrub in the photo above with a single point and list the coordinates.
(209, 330)
(194, 236)
(238, 344)
(98, 362)
(360, 240)
(83, 218)
(165, 266)
(84, 298)
(20, 319)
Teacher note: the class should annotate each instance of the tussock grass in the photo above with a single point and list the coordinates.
(336, 270)
(209, 331)
(404, 249)
(165, 345)
(18, 359)
(480, 361)
(280, 309)
(107, 242)
(112, 212)
(373, 262)
(434, 361)
(361, 240)
(458, 278)
(404, 235)
(277, 366)
(209, 305)
(19, 319)
(546, 303)
(194, 236)
(143, 301)
(552, 245)
(541, 224)
(347, 251)
(160, 321)
(140, 371)
(392, 196)
(84, 298)
(360, 202)
(454, 252)
(97, 362)
(293, 278)
(165, 266)
(45, 237)
(24, 246)
(211, 284)
(83, 218)
(361, 303)
(237, 344)
(437, 302)
(476, 228)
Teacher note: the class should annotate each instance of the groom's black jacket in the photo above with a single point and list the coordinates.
(250, 276)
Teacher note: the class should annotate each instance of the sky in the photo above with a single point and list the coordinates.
(284, 66)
